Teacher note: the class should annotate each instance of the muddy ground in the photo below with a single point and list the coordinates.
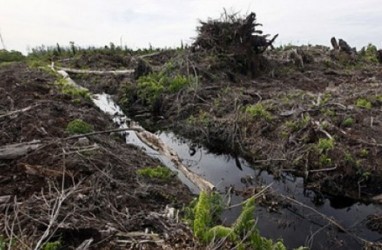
(73, 190)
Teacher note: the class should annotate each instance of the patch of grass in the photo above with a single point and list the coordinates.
(159, 172)
(348, 122)
(363, 103)
(3, 243)
(258, 111)
(72, 90)
(6, 243)
(69, 89)
(364, 153)
(296, 125)
(151, 86)
(325, 161)
(78, 126)
(326, 98)
(51, 245)
(329, 112)
(202, 118)
(325, 144)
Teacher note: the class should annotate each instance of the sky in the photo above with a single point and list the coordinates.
(25, 24)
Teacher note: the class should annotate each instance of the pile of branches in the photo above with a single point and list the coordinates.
(235, 37)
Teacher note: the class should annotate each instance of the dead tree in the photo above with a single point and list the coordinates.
(236, 40)
(379, 55)
(344, 46)
(334, 43)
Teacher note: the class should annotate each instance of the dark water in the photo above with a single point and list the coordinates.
(296, 225)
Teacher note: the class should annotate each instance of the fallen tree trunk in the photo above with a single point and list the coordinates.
(13, 151)
(98, 72)
(156, 143)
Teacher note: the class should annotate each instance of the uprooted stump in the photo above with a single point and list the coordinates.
(379, 56)
(235, 40)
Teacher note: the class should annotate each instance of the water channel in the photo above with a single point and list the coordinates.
(295, 224)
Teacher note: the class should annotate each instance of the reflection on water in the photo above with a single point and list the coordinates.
(296, 225)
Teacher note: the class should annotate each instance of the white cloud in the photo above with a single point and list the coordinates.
(166, 22)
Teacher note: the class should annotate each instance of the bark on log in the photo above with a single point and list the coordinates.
(13, 151)
(98, 72)
(156, 143)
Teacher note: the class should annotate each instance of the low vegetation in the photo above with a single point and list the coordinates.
(363, 103)
(77, 93)
(158, 172)
(10, 56)
(150, 87)
(242, 234)
(258, 111)
(78, 126)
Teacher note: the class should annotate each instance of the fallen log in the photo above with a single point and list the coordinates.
(13, 151)
(18, 111)
(157, 144)
(98, 72)
(43, 171)
(154, 142)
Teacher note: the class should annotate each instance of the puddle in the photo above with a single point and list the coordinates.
(297, 226)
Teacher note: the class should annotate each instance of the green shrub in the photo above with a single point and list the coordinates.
(363, 103)
(51, 245)
(177, 83)
(151, 86)
(11, 56)
(348, 122)
(78, 126)
(258, 111)
(242, 233)
(72, 90)
(296, 125)
(202, 219)
(325, 161)
(364, 153)
(369, 54)
(325, 144)
(203, 118)
(159, 172)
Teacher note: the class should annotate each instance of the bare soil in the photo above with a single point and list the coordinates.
(76, 189)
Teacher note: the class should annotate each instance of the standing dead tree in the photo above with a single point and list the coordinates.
(234, 37)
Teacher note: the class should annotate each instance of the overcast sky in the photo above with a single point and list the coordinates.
(28, 23)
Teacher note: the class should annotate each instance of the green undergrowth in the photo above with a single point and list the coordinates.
(258, 111)
(203, 214)
(363, 103)
(158, 172)
(151, 86)
(52, 245)
(77, 93)
(78, 126)
(369, 54)
(11, 56)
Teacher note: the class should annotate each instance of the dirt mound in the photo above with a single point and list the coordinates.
(73, 190)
